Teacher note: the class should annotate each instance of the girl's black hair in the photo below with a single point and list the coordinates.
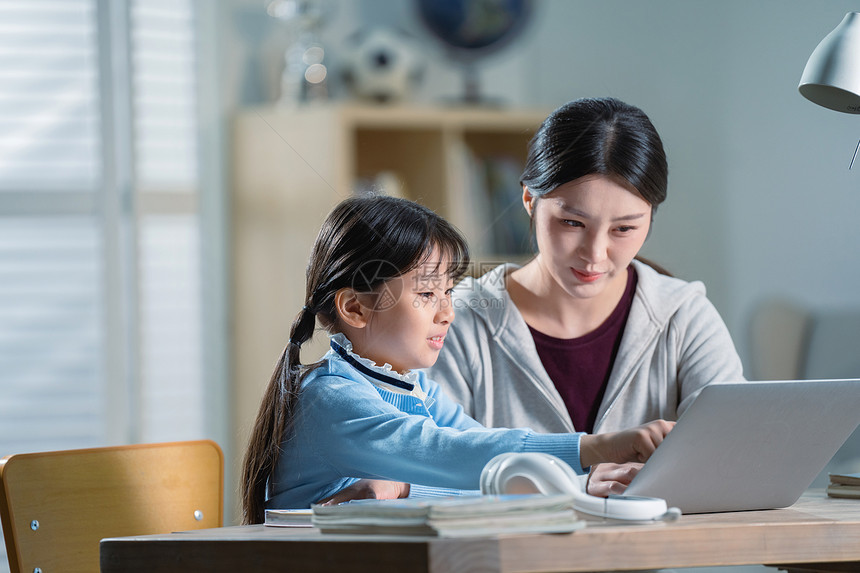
(597, 136)
(364, 242)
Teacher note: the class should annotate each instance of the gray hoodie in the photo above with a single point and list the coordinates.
(674, 343)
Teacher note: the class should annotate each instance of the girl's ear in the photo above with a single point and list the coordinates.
(528, 201)
(349, 308)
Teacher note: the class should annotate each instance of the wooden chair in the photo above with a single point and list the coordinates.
(57, 506)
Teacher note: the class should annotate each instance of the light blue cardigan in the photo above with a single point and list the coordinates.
(380, 424)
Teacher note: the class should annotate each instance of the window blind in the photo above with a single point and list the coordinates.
(60, 283)
(164, 95)
(172, 383)
(164, 103)
(51, 332)
(49, 118)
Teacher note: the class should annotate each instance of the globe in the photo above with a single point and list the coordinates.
(474, 27)
(471, 29)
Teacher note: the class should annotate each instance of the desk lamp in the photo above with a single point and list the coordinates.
(832, 75)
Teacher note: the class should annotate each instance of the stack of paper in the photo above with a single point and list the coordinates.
(844, 485)
(451, 516)
(289, 517)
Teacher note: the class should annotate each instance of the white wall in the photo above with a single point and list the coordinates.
(668, 58)
(794, 202)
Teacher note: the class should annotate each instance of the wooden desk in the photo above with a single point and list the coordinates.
(816, 530)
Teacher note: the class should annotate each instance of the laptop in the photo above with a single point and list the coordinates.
(750, 445)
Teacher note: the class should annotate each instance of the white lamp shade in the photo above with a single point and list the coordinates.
(832, 74)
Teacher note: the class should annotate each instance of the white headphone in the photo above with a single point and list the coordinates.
(533, 472)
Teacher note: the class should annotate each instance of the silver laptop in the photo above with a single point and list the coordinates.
(750, 445)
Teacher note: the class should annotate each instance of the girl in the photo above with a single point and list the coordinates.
(379, 280)
(584, 337)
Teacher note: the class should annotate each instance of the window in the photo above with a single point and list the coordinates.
(101, 320)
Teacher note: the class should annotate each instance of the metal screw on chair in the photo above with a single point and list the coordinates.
(198, 515)
(34, 525)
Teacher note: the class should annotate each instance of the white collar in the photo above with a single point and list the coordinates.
(383, 376)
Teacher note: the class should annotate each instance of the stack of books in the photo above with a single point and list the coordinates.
(844, 485)
(463, 516)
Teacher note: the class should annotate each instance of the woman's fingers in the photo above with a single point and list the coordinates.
(608, 478)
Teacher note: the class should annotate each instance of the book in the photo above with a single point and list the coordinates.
(460, 516)
(497, 224)
(288, 517)
(845, 479)
(844, 485)
(510, 224)
(847, 491)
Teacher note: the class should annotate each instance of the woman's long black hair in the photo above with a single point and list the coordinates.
(364, 242)
(597, 136)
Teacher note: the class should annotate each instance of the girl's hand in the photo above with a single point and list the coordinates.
(607, 478)
(633, 445)
(368, 489)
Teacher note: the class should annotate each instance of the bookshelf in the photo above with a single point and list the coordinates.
(290, 167)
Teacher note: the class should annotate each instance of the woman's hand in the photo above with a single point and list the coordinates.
(608, 478)
(633, 445)
(368, 489)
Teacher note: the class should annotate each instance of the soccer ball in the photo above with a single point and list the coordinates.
(382, 65)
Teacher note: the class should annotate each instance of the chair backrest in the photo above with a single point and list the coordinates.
(832, 353)
(791, 341)
(57, 506)
(779, 332)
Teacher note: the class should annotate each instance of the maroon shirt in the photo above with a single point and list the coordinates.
(580, 367)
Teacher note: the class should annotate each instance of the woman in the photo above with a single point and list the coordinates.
(584, 337)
